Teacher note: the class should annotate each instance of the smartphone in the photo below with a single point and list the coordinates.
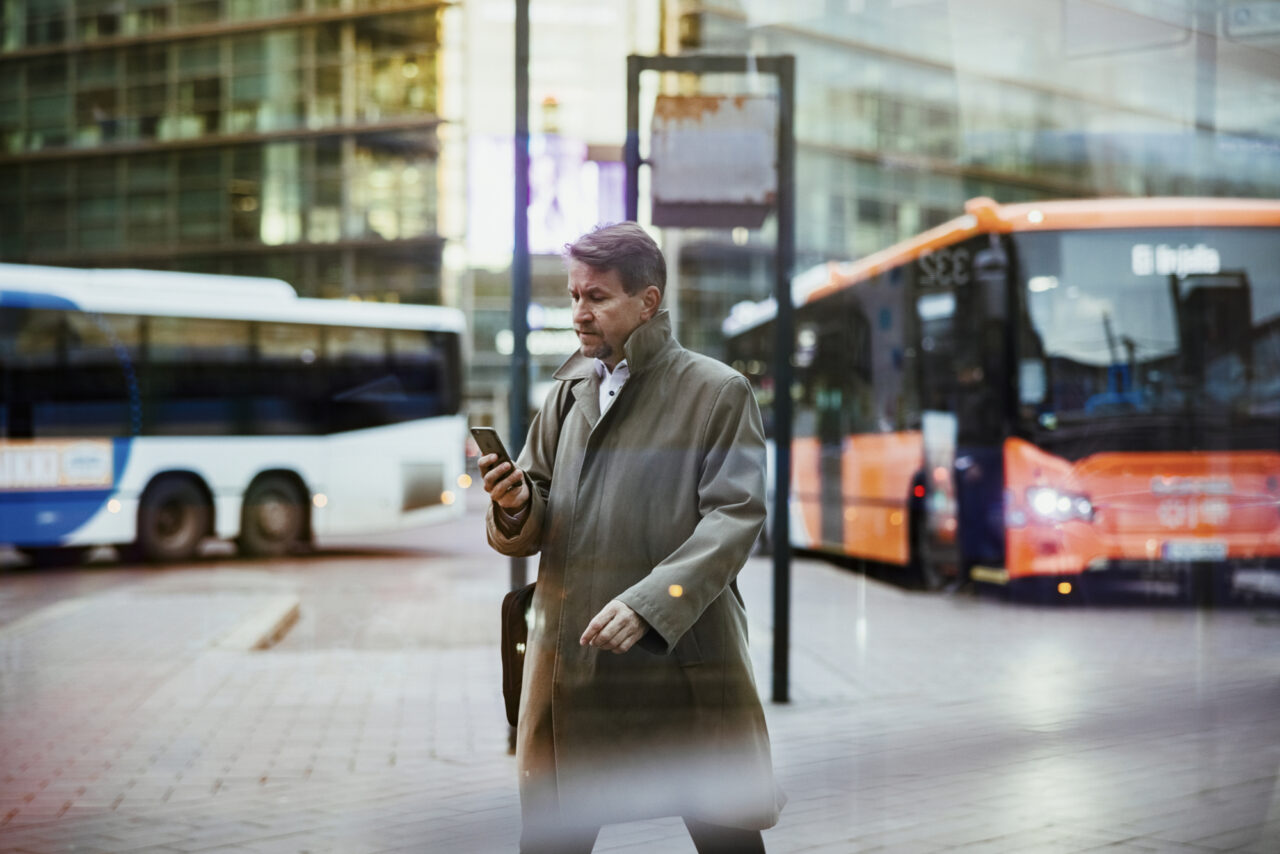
(490, 442)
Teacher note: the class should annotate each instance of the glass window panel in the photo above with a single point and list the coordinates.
(200, 168)
(97, 208)
(147, 60)
(199, 203)
(178, 340)
(328, 41)
(355, 344)
(96, 116)
(148, 218)
(47, 240)
(97, 19)
(191, 12)
(249, 9)
(38, 341)
(98, 237)
(147, 16)
(48, 111)
(148, 173)
(94, 69)
(288, 343)
(48, 180)
(102, 339)
(11, 82)
(97, 176)
(46, 22)
(200, 57)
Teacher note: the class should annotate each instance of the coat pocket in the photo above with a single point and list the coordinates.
(687, 652)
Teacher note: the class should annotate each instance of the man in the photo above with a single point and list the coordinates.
(642, 486)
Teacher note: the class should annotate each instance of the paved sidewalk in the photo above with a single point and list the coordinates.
(918, 722)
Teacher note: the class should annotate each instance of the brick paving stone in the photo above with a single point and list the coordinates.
(917, 722)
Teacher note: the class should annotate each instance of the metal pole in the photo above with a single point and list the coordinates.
(520, 270)
(783, 347)
(1206, 89)
(632, 148)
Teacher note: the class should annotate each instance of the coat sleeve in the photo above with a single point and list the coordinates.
(732, 509)
(537, 461)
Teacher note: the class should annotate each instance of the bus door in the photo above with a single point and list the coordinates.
(830, 384)
(960, 309)
(985, 412)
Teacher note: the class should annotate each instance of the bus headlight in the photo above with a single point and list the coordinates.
(1059, 506)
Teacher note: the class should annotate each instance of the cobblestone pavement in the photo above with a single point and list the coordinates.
(133, 717)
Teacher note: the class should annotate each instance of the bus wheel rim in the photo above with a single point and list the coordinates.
(274, 517)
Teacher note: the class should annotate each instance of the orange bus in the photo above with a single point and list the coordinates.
(1042, 391)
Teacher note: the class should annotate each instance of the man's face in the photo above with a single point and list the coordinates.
(604, 314)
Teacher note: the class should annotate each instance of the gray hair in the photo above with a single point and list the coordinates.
(626, 248)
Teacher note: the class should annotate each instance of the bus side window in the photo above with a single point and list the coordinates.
(289, 380)
(419, 366)
(197, 376)
(33, 347)
(362, 388)
(100, 394)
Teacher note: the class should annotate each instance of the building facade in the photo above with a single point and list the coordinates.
(289, 138)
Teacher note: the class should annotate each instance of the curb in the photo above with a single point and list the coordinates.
(265, 628)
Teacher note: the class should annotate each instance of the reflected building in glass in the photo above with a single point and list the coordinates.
(907, 108)
(289, 138)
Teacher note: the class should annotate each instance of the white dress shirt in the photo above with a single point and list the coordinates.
(611, 382)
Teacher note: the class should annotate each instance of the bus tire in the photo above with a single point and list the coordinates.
(51, 557)
(173, 517)
(273, 518)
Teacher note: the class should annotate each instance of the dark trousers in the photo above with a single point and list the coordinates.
(707, 838)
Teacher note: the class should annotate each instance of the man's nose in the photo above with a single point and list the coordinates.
(581, 314)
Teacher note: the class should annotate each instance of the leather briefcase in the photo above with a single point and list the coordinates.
(515, 636)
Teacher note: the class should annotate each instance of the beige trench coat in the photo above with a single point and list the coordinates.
(657, 504)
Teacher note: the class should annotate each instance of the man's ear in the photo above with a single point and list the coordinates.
(652, 298)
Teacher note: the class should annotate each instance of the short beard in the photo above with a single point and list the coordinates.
(601, 351)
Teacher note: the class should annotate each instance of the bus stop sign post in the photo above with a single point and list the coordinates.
(783, 67)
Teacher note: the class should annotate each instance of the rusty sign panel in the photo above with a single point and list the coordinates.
(714, 160)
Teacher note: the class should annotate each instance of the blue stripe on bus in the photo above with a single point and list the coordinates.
(29, 299)
(48, 517)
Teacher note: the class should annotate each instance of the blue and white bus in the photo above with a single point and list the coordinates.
(150, 410)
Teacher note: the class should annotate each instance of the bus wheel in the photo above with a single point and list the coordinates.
(173, 518)
(273, 519)
(55, 556)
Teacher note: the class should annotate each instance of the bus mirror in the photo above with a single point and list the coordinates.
(1032, 382)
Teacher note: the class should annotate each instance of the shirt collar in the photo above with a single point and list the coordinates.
(602, 370)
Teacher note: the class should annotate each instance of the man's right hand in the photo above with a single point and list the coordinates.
(505, 484)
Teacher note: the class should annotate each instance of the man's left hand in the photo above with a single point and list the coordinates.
(616, 628)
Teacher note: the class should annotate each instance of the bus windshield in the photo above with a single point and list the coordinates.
(1151, 327)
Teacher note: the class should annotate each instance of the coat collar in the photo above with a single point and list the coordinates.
(643, 348)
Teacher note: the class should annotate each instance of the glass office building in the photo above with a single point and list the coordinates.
(289, 138)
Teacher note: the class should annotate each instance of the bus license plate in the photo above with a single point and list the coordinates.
(1195, 550)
